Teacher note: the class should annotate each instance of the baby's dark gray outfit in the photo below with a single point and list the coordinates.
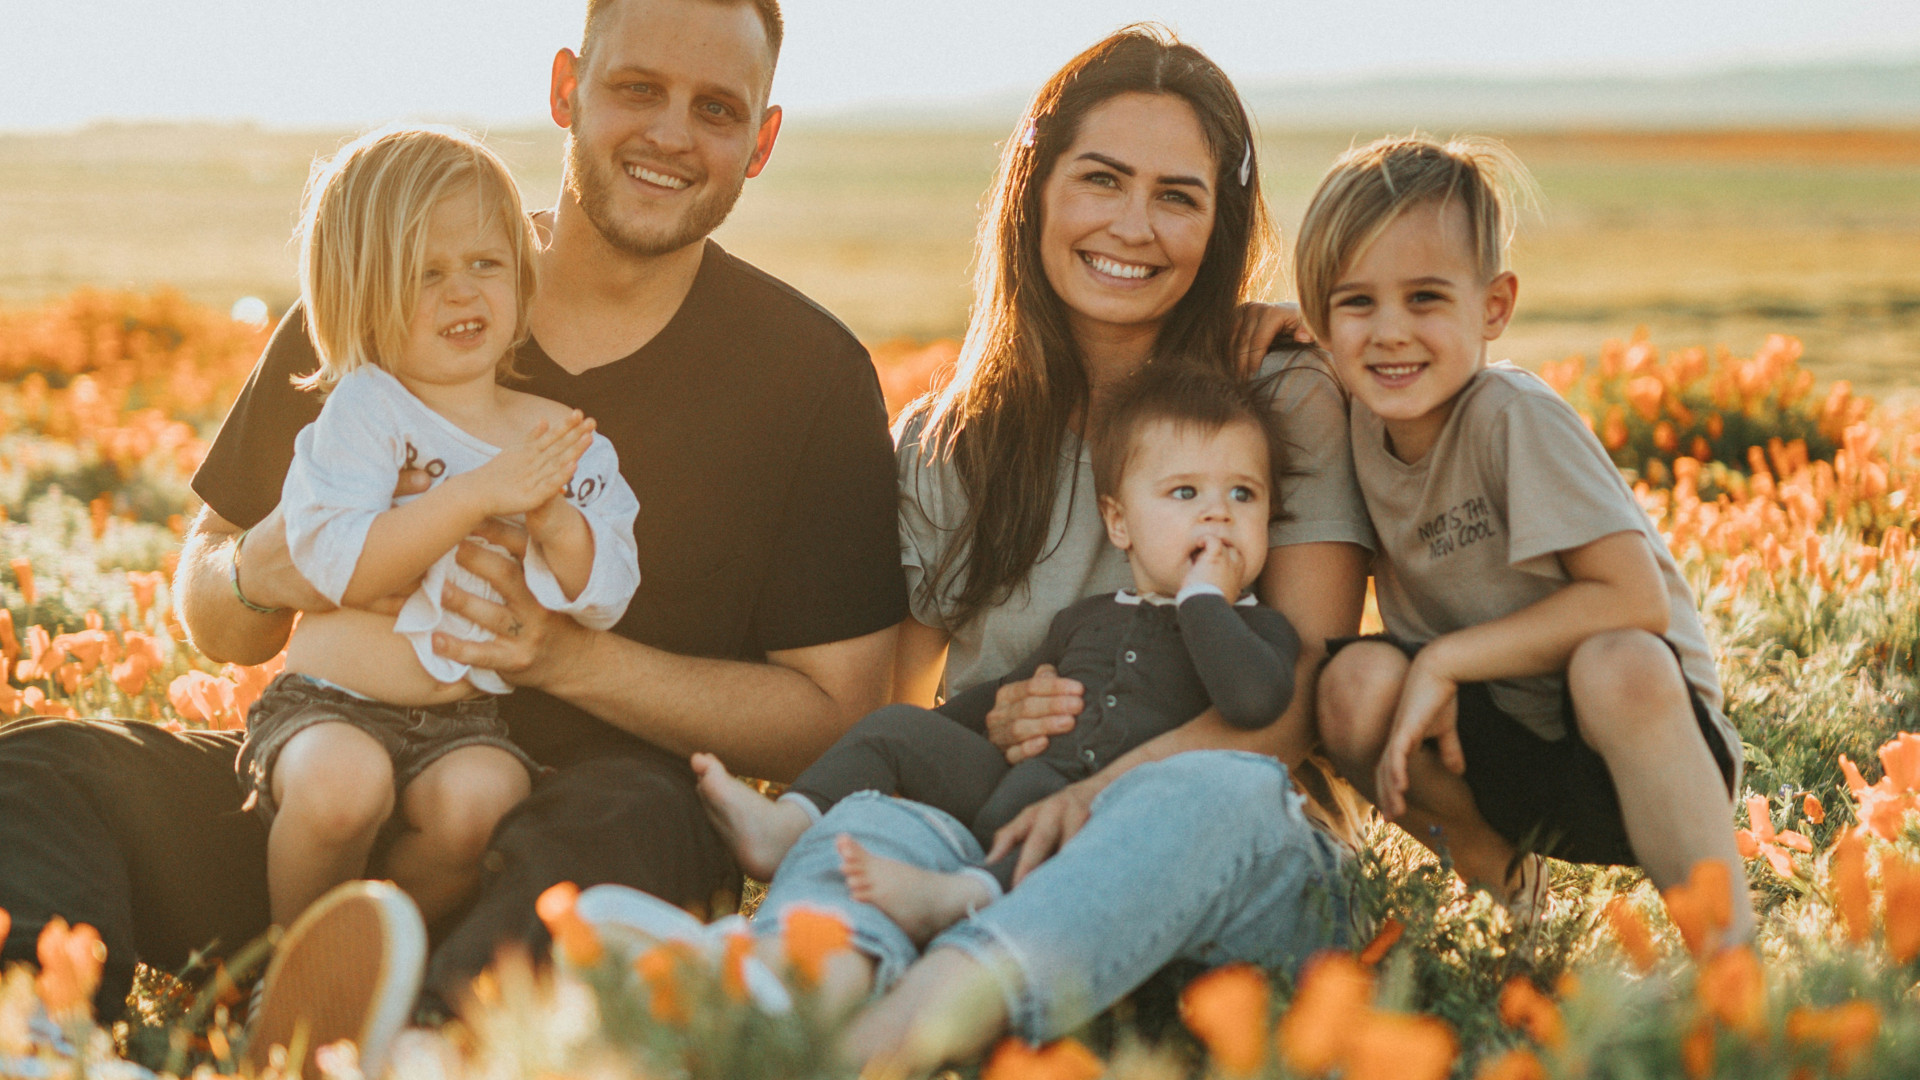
(1148, 666)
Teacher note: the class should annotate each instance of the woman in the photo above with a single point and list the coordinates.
(1126, 225)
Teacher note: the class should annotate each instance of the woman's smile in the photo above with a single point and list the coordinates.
(1126, 213)
(1120, 270)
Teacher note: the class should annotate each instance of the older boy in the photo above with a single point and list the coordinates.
(1545, 685)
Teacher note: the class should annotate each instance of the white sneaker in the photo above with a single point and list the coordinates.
(622, 912)
(349, 968)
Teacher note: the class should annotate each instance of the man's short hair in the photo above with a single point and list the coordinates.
(1369, 187)
(767, 10)
(1191, 397)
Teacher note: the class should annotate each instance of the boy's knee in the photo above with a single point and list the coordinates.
(1357, 692)
(1624, 682)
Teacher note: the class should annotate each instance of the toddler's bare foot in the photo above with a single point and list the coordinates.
(759, 830)
(921, 902)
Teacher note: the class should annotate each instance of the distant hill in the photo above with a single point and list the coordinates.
(1876, 93)
(1871, 94)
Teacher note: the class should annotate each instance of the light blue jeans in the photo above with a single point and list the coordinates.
(1204, 856)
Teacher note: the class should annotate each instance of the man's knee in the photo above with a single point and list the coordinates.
(1357, 693)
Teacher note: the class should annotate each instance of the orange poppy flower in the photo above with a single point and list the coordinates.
(145, 645)
(130, 674)
(1631, 930)
(23, 576)
(1733, 990)
(1516, 1064)
(1388, 936)
(575, 938)
(1524, 1007)
(1900, 756)
(86, 646)
(1336, 994)
(1848, 872)
(144, 584)
(1846, 1029)
(1228, 1009)
(1884, 805)
(9, 644)
(1900, 886)
(1063, 1060)
(733, 968)
(659, 968)
(1395, 1046)
(812, 936)
(6, 925)
(1760, 839)
(1697, 1050)
(1703, 907)
(1613, 433)
(70, 961)
(1644, 394)
(1811, 809)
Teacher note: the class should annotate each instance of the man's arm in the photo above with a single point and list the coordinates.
(219, 625)
(768, 720)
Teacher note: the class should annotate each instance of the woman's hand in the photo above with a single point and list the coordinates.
(1026, 713)
(1043, 827)
(1427, 710)
(529, 642)
(1260, 325)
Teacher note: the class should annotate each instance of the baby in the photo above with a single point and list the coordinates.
(416, 272)
(1184, 463)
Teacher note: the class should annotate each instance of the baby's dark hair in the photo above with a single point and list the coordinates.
(1191, 396)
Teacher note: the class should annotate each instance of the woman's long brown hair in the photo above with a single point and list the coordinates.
(1020, 379)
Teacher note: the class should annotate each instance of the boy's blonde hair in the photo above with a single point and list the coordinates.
(1371, 186)
(363, 233)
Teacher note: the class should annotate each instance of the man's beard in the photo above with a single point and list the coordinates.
(593, 183)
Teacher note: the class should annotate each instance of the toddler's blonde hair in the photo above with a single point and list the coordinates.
(363, 233)
(1371, 186)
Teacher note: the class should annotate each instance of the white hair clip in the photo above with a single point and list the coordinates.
(1246, 163)
(1032, 132)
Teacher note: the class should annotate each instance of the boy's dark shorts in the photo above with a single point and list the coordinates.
(1551, 796)
(414, 737)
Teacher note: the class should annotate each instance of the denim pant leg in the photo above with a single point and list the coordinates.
(1204, 856)
(895, 828)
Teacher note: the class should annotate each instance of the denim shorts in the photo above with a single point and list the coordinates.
(414, 737)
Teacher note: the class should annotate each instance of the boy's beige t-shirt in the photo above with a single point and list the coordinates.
(1469, 533)
(1320, 497)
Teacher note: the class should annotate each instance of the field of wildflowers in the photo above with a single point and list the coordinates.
(1791, 507)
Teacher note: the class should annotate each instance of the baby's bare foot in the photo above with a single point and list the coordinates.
(921, 902)
(759, 830)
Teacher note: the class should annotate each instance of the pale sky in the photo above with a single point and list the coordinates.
(349, 63)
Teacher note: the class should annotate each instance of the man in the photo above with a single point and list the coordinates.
(749, 423)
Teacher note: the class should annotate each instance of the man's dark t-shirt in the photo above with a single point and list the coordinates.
(753, 431)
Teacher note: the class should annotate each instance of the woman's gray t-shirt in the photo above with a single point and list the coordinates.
(1320, 497)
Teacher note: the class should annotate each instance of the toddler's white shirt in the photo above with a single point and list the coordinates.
(345, 465)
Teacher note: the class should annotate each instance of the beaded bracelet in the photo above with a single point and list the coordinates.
(233, 575)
